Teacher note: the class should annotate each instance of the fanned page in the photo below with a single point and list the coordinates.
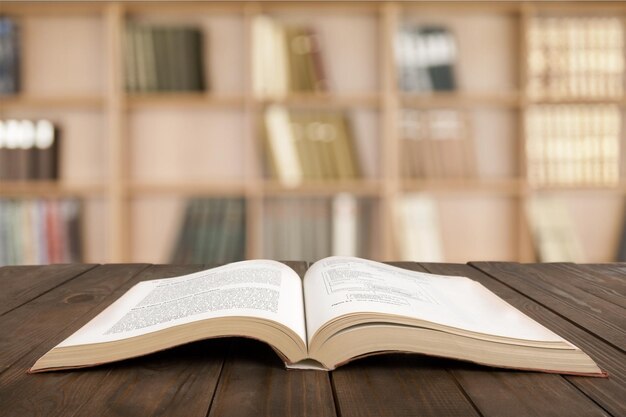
(261, 289)
(338, 286)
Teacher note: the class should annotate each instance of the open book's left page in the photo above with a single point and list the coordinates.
(262, 289)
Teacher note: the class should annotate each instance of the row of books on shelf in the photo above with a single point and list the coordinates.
(313, 228)
(573, 144)
(38, 231)
(29, 150)
(565, 145)
(576, 57)
(163, 58)
(309, 145)
(437, 144)
(213, 230)
(426, 57)
(553, 230)
(304, 146)
(286, 58)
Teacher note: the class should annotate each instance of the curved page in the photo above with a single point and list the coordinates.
(337, 286)
(261, 288)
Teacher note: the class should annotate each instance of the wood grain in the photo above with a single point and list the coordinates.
(255, 382)
(404, 385)
(21, 284)
(550, 287)
(46, 316)
(607, 281)
(64, 392)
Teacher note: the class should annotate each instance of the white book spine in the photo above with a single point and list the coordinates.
(344, 232)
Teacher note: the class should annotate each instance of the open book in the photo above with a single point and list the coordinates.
(343, 309)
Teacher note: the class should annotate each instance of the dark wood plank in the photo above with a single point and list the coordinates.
(399, 385)
(107, 389)
(607, 392)
(611, 277)
(46, 316)
(20, 284)
(407, 385)
(507, 392)
(255, 382)
(604, 289)
(176, 382)
(179, 381)
(541, 283)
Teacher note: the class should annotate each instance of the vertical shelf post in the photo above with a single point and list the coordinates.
(525, 247)
(252, 171)
(119, 233)
(388, 141)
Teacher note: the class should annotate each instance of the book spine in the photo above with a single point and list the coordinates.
(282, 147)
(130, 59)
(47, 138)
(344, 225)
(9, 56)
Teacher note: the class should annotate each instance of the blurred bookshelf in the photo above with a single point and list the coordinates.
(135, 157)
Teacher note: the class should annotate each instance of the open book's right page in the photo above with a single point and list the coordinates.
(337, 286)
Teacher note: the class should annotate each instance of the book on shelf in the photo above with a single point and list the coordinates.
(345, 225)
(9, 56)
(29, 150)
(343, 308)
(553, 230)
(163, 58)
(304, 145)
(286, 59)
(212, 230)
(573, 144)
(297, 228)
(417, 230)
(575, 57)
(437, 144)
(40, 231)
(426, 57)
(311, 228)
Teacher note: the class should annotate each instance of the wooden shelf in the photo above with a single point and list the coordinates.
(621, 101)
(363, 188)
(504, 186)
(38, 8)
(460, 99)
(135, 101)
(334, 100)
(199, 189)
(619, 188)
(32, 189)
(463, 7)
(28, 102)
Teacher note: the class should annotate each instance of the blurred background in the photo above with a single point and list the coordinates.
(212, 132)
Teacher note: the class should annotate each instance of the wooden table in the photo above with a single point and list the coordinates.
(42, 305)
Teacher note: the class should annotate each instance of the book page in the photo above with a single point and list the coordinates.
(261, 289)
(337, 286)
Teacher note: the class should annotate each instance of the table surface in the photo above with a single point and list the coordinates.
(42, 305)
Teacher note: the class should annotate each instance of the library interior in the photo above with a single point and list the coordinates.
(211, 132)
